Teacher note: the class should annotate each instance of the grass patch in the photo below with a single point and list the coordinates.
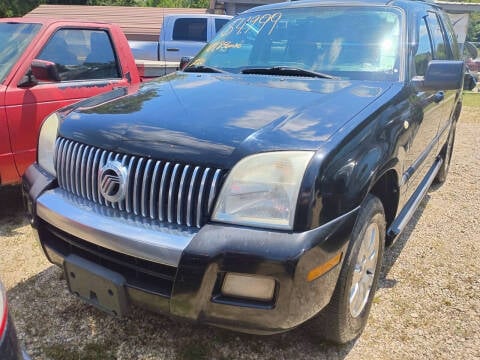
(471, 98)
(92, 351)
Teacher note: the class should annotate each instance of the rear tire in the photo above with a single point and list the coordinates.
(447, 156)
(345, 317)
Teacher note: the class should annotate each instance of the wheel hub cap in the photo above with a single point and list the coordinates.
(364, 270)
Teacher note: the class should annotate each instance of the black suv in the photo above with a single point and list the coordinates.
(256, 189)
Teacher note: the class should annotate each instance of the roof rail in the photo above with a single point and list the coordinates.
(431, 2)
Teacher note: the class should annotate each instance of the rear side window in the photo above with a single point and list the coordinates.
(190, 29)
(219, 24)
(81, 54)
(440, 49)
(451, 36)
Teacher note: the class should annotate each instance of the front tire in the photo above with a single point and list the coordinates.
(345, 317)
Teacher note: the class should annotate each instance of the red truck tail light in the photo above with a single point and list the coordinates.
(3, 311)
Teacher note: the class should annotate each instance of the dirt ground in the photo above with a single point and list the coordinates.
(427, 304)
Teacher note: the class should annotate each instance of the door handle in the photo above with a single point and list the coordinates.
(439, 96)
(173, 49)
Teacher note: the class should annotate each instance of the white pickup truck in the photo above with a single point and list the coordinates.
(181, 35)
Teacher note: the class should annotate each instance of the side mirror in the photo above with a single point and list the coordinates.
(469, 81)
(45, 70)
(442, 75)
(184, 61)
(470, 50)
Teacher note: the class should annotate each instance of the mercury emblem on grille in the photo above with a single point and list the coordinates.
(112, 181)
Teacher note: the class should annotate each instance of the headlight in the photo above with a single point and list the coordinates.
(46, 143)
(262, 190)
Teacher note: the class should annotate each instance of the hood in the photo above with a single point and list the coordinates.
(216, 119)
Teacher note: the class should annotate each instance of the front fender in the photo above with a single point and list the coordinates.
(376, 146)
(350, 176)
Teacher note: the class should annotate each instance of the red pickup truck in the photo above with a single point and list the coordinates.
(48, 64)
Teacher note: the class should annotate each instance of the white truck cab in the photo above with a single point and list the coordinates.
(181, 35)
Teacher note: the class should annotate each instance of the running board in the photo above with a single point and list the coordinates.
(412, 204)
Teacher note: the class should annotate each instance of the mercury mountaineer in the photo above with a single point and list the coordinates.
(256, 189)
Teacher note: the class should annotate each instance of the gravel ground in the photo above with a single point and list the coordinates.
(427, 305)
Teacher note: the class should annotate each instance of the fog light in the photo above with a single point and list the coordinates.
(248, 286)
(53, 256)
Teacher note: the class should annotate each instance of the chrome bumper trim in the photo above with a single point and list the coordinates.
(112, 229)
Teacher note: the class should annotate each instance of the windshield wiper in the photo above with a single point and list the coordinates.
(203, 69)
(286, 70)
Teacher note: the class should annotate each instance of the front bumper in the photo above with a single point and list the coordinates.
(179, 270)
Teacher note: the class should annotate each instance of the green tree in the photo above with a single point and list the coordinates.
(178, 3)
(112, 2)
(473, 33)
(11, 8)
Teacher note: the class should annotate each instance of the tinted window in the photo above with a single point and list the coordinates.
(440, 50)
(219, 24)
(190, 30)
(424, 49)
(81, 54)
(452, 39)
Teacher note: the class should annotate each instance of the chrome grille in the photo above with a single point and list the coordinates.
(155, 189)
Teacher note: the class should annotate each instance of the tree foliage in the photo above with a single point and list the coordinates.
(11, 8)
(473, 33)
(178, 3)
(112, 2)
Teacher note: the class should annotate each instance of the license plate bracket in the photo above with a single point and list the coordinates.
(96, 285)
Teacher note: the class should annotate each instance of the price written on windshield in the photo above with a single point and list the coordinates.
(254, 23)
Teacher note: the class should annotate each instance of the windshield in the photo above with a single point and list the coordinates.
(347, 42)
(14, 38)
